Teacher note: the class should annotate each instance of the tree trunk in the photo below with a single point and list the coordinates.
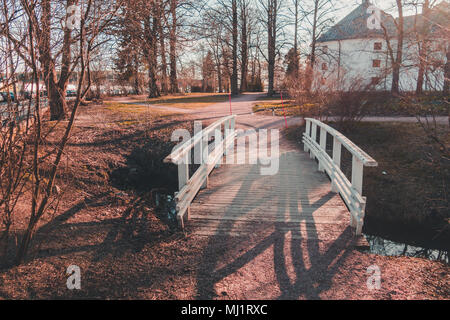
(136, 75)
(297, 58)
(56, 99)
(173, 48)
(234, 76)
(312, 57)
(421, 72)
(271, 28)
(150, 51)
(447, 72)
(56, 92)
(399, 57)
(244, 46)
(423, 47)
(162, 46)
(219, 79)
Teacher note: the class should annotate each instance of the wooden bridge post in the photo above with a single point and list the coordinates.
(337, 160)
(313, 137)
(357, 181)
(183, 178)
(308, 133)
(205, 157)
(190, 185)
(360, 221)
(226, 132)
(183, 171)
(323, 145)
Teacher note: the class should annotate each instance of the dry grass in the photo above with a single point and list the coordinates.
(187, 101)
(137, 109)
(287, 107)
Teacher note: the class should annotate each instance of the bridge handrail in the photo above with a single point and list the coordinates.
(351, 191)
(189, 186)
(367, 160)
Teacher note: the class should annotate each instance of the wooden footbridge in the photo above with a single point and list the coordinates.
(309, 199)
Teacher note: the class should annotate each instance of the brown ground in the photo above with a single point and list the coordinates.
(108, 226)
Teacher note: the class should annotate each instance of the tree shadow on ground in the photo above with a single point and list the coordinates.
(310, 278)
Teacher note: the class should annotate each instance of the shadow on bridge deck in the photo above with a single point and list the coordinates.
(286, 232)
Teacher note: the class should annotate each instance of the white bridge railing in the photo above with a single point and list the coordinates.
(351, 191)
(210, 158)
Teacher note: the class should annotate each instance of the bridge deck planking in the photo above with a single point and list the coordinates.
(296, 202)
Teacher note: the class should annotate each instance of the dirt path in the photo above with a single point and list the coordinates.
(108, 226)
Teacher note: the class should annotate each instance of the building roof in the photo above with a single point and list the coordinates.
(354, 25)
(439, 19)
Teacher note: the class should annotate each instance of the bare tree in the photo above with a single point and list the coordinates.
(446, 89)
(317, 16)
(296, 13)
(47, 29)
(245, 35)
(31, 23)
(173, 47)
(422, 33)
(271, 20)
(160, 12)
(212, 31)
(234, 76)
(396, 57)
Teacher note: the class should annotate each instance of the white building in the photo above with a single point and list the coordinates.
(355, 52)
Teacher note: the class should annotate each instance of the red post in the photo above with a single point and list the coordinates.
(231, 111)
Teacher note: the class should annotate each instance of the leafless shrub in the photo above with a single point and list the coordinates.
(350, 106)
(438, 157)
(345, 100)
(14, 166)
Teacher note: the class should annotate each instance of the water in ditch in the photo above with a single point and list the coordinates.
(386, 247)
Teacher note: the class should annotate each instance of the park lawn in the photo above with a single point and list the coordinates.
(287, 107)
(138, 110)
(188, 101)
(407, 194)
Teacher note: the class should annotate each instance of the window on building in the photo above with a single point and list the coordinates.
(324, 66)
(377, 46)
(376, 63)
